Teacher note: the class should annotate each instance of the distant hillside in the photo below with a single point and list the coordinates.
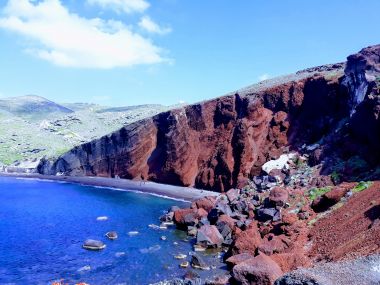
(32, 127)
(31, 106)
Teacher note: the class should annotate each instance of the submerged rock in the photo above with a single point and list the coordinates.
(112, 235)
(92, 244)
(198, 262)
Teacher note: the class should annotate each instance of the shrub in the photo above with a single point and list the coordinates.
(317, 192)
(361, 186)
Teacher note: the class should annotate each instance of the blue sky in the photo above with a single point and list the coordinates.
(128, 52)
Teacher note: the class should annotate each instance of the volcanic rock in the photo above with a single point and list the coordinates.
(278, 196)
(260, 270)
(198, 262)
(209, 236)
(91, 244)
(247, 241)
(266, 214)
(237, 259)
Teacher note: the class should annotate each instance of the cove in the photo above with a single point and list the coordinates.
(43, 225)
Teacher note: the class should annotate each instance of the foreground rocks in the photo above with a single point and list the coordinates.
(257, 270)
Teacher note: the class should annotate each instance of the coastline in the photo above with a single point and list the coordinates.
(163, 190)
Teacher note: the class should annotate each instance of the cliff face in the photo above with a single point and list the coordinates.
(219, 143)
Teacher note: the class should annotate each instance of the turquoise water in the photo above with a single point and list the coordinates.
(44, 224)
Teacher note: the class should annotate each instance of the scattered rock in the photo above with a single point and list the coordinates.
(112, 235)
(180, 256)
(102, 218)
(198, 263)
(184, 264)
(91, 244)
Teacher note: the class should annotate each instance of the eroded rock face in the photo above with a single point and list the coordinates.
(218, 143)
(209, 145)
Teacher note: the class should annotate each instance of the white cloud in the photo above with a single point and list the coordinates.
(150, 26)
(264, 76)
(66, 39)
(126, 6)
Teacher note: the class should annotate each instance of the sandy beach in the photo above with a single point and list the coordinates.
(164, 190)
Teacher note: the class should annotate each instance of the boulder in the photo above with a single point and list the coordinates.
(190, 219)
(260, 270)
(92, 244)
(198, 262)
(237, 259)
(233, 194)
(267, 214)
(226, 220)
(206, 203)
(247, 241)
(224, 209)
(209, 236)
(201, 213)
(183, 217)
(278, 197)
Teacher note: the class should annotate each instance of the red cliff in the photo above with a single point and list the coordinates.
(219, 143)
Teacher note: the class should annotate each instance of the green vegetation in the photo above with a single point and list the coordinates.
(317, 192)
(361, 186)
(336, 177)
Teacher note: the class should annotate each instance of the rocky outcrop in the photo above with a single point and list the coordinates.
(220, 143)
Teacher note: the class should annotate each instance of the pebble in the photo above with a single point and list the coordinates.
(180, 256)
(102, 218)
(184, 264)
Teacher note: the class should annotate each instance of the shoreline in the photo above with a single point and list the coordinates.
(146, 187)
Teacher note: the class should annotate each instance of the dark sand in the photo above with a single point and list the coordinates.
(169, 191)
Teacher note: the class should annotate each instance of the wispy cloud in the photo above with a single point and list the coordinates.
(66, 39)
(150, 26)
(264, 76)
(126, 6)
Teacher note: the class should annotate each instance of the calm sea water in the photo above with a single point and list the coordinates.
(43, 225)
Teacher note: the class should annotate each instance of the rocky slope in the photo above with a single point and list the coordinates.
(329, 113)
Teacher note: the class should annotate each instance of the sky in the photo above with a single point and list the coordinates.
(130, 52)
